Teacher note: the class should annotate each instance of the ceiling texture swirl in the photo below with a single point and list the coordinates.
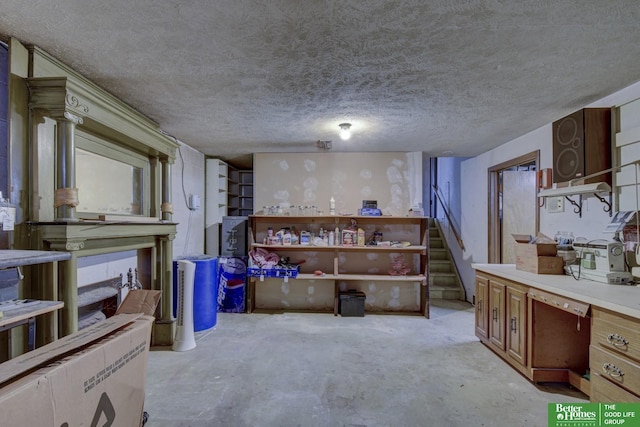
(446, 77)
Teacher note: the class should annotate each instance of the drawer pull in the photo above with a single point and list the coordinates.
(514, 323)
(495, 313)
(616, 340)
(612, 370)
(480, 306)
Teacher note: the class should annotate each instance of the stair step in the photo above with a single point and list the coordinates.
(436, 242)
(434, 232)
(450, 294)
(438, 254)
(441, 290)
(440, 266)
(443, 279)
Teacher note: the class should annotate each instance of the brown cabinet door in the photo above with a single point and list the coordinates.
(516, 325)
(482, 309)
(496, 314)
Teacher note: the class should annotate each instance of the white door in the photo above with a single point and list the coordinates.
(519, 205)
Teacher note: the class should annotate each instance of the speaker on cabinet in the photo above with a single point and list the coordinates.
(582, 145)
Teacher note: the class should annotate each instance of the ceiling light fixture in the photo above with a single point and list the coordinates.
(345, 132)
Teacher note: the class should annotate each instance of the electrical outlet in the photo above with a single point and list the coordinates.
(555, 204)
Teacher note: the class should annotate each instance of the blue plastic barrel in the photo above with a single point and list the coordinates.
(205, 291)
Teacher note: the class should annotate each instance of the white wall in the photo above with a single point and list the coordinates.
(188, 174)
(393, 179)
(96, 268)
(474, 190)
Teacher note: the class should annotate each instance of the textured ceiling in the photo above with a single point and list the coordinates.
(448, 77)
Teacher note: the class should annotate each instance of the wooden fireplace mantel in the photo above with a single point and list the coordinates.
(153, 240)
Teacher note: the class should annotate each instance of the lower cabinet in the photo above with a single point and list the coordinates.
(503, 324)
(549, 337)
(482, 308)
(543, 336)
(497, 324)
(614, 357)
(516, 324)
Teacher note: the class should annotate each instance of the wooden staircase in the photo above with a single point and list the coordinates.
(444, 281)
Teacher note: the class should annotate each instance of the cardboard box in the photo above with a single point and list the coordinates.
(93, 377)
(539, 258)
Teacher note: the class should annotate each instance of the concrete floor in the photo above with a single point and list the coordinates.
(298, 369)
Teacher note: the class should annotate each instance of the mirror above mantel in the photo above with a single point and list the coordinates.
(111, 180)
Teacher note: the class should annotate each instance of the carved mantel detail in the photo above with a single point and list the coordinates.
(73, 101)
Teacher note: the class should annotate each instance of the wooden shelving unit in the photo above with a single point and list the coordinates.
(240, 194)
(362, 268)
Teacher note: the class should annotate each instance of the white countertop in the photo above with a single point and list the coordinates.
(622, 299)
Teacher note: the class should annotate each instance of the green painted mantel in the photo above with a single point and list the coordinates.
(61, 103)
(152, 240)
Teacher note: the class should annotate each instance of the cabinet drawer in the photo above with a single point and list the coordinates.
(562, 303)
(615, 335)
(606, 392)
(614, 368)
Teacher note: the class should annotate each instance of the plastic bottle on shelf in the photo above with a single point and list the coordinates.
(331, 238)
(286, 237)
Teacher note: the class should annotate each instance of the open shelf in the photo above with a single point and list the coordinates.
(359, 268)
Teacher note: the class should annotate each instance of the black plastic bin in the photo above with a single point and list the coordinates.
(352, 304)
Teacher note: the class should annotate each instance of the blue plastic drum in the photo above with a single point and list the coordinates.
(205, 291)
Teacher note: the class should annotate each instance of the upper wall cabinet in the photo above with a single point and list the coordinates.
(582, 145)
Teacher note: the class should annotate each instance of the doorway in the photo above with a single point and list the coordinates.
(513, 205)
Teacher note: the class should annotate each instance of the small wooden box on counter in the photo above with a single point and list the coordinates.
(539, 258)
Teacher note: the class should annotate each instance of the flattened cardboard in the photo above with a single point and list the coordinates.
(140, 301)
